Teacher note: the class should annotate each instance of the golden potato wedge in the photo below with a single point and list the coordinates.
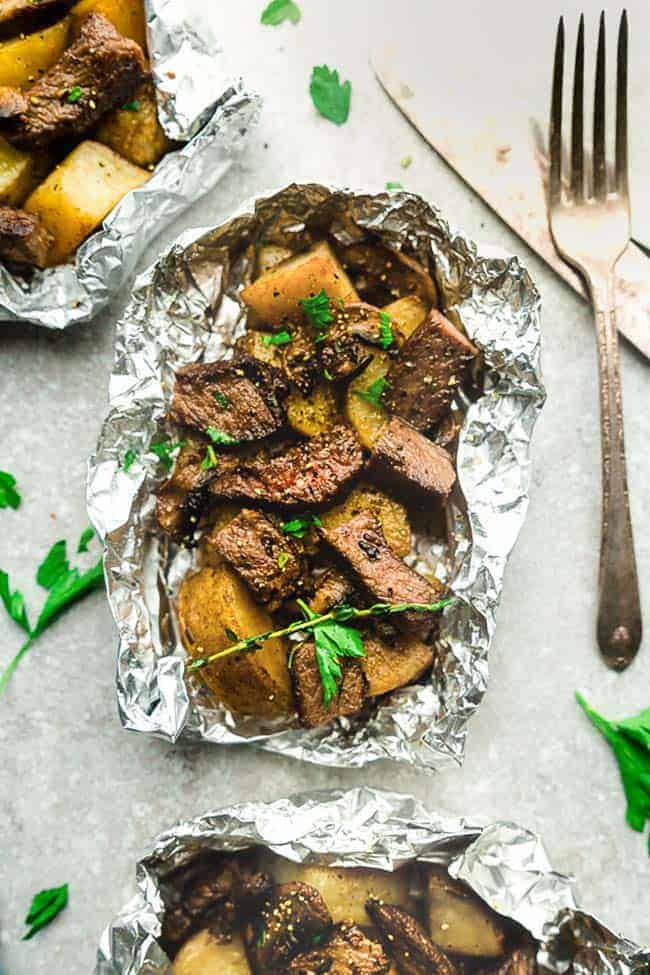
(16, 174)
(391, 515)
(25, 58)
(215, 600)
(389, 667)
(126, 15)
(135, 132)
(344, 890)
(406, 314)
(275, 297)
(315, 413)
(80, 192)
(269, 256)
(204, 955)
(366, 418)
(459, 921)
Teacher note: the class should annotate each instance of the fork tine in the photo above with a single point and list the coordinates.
(577, 118)
(621, 107)
(555, 128)
(600, 164)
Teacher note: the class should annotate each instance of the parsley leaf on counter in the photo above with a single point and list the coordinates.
(393, 185)
(164, 450)
(53, 565)
(374, 392)
(280, 10)
(630, 742)
(13, 602)
(330, 97)
(9, 497)
(44, 908)
(85, 538)
(386, 337)
(279, 338)
(318, 311)
(220, 438)
(298, 527)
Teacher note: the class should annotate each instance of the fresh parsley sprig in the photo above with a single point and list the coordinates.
(332, 641)
(9, 496)
(278, 11)
(44, 908)
(630, 742)
(331, 98)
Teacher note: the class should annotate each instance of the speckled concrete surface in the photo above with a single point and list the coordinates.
(79, 797)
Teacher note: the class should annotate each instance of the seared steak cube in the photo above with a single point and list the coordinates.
(308, 689)
(267, 560)
(361, 543)
(406, 941)
(345, 350)
(333, 589)
(242, 399)
(300, 359)
(310, 473)
(431, 365)
(411, 460)
(99, 71)
(291, 920)
(348, 952)
(23, 238)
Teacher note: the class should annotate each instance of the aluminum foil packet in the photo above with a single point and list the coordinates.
(504, 864)
(201, 109)
(186, 308)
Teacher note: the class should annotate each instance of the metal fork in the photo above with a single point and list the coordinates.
(591, 231)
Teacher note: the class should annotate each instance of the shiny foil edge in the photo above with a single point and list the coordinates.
(504, 863)
(199, 106)
(175, 315)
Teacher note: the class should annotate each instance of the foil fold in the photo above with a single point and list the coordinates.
(200, 108)
(185, 308)
(503, 863)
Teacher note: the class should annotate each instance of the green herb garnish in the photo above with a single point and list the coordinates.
(374, 392)
(394, 186)
(280, 10)
(386, 337)
(318, 311)
(165, 449)
(44, 908)
(74, 94)
(133, 106)
(85, 538)
(406, 162)
(330, 97)
(221, 399)
(9, 496)
(13, 602)
(221, 438)
(630, 742)
(333, 641)
(298, 527)
(280, 338)
(129, 460)
(210, 460)
(283, 559)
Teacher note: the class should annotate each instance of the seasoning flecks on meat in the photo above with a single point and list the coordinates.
(333, 589)
(406, 941)
(99, 71)
(345, 350)
(431, 365)
(349, 951)
(23, 238)
(310, 473)
(267, 560)
(241, 399)
(308, 688)
(300, 360)
(411, 460)
(26, 16)
(361, 543)
(197, 895)
(291, 920)
(187, 476)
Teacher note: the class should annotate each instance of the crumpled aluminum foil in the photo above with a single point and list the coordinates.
(504, 863)
(197, 105)
(186, 308)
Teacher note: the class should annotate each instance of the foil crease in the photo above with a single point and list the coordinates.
(504, 863)
(200, 108)
(185, 308)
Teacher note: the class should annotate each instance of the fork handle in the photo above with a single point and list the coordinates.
(619, 606)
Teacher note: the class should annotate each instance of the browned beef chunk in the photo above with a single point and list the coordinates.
(308, 689)
(431, 365)
(12, 102)
(345, 352)
(519, 961)
(267, 559)
(300, 359)
(333, 589)
(380, 274)
(23, 238)
(413, 461)
(188, 475)
(242, 399)
(27, 16)
(310, 473)
(361, 542)
(348, 952)
(406, 942)
(99, 71)
(290, 921)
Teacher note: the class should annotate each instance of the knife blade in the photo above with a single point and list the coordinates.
(507, 168)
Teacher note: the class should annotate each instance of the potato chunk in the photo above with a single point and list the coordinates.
(315, 413)
(391, 514)
(25, 58)
(366, 418)
(344, 890)
(459, 921)
(204, 955)
(275, 297)
(80, 192)
(210, 603)
(406, 314)
(126, 15)
(389, 667)
(16, 174)
(135, 132)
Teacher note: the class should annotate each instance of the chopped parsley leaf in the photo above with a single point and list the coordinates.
(133, 106)
(221, 399)
(279, 338)
(210, 460)
(386, 337)
(283, 558)
(44, 908)
(164, 450)
(278, 11)
(9, 496)
(129, 460)
(330, 97)
(318, 311)
(74, 94)
(374, 392)
(298, 527)
(392, 185)
(220, 438)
